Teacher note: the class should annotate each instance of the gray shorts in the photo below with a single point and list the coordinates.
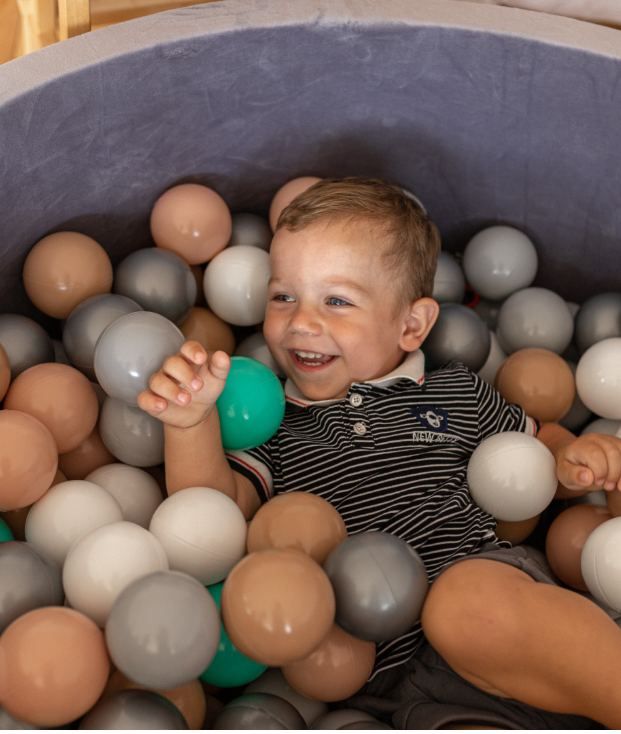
(426, 693)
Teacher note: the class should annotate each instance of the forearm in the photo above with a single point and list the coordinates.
(556, 438)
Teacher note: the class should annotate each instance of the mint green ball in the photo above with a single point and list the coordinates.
(229, 668)
(5, 531)
(251, 406)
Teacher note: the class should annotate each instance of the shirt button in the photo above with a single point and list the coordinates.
(355, 399)
(360, 428)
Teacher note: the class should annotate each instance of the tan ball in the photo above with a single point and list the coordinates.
(208, 330)
(16, 519)
(286, 194)
(5, 372)
(516, 532)
(85, 458)
(198, 274)
(538, 380)
(613, 500)
(192, 221)
(64, 269)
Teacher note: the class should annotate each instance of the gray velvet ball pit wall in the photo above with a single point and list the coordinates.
(488, 114)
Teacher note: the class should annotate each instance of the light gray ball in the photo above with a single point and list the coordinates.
(134, 709)
(449, 283)
(273, 681)
(499, 261)
(60, 356)
(25, 343)
(599, 318)
(458, 334)
(29, 579)
(158, 280)
(87, 322)
(342, 717)
(488, 311)
(578, 414)
(255, 347)
(380, 585)
(163, 630)
(131, 349)
(592, 498)
(131, 435)
(9, 723)
(535, 317)
(602, 425)
(259, 711)
(251, 230)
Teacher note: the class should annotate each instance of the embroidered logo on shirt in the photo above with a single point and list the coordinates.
(433, 419)
(430, 437)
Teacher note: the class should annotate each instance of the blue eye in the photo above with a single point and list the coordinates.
(283, 298)
(333, 301)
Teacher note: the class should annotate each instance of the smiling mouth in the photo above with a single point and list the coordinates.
(311, 359)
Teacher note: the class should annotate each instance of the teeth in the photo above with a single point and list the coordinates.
(308, 355)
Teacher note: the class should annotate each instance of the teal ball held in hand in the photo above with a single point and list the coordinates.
(5, 531)
(251, 406)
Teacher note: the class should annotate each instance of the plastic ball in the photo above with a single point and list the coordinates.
(535, 317)
(566, 538)
(53, 666)
(488, 311)
(158, 280)
(286, 194)
(341, 718)
(5, 532)
(68, 512)
(496, 357)
(235, 285)
(137, 492)
(601, 563)
(208, 330)
(255, 347)
(61, 398)
(10, 722)
(538, 380)
(599, 318)
(229, 668)
(516, 532)
(449, 283)
(16, 519)
(598, 497)
(578, 414)
(29, 579)
(297, 521)
(512, 476)
(25, 342)
(602, 425)
(85, 325)
(131, 435)
(191, 220)
(499, 261)
(163, 630)
(103, 563)
(273, 681)
(131, 350)
(458, 334)
(5, 372)
(277, 606)
(336, 669)
(380, 585)
(250, 230)
(134, 709)
(202, 531)
(60, 356)
(259, 711)
(28, 459)
(251, 406)
(598, 378)
(64, 269)
(85, 458)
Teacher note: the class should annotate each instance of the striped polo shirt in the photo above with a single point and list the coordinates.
(392, 456)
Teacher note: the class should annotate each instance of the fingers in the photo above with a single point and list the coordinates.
(219, 365)
(151, 403)
(194, 353)
(594, 459)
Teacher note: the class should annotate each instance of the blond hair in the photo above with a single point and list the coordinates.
(414, 241)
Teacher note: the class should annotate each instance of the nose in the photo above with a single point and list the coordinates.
(305, 322)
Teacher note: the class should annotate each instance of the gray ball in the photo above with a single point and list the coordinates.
(458, 334)
(449, 283)
(25, 343)
(259, 711)
(342, 717)
(9, 723)
(163, 630)
(535, 317)
(578, 414)
(131, 435)
(380, 585)
(488, 311)
(356, 725)
(134, 709)
(85, 325)
(60, 356)
(273, 681)
(255, 347)
(602, 425)
(29, 579)
(251, 230)
(131, 349)
(592, 498)
(159, 281)
(599, 318)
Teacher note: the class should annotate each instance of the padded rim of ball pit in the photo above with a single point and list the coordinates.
(489, 114)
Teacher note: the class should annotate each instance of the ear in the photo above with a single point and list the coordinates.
(419, 319)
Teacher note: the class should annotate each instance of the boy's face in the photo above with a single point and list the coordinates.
(331, 317)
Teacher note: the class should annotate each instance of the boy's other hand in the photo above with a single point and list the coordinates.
(591, 462)
(184, 391)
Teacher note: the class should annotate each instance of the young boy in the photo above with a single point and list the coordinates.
(352, 264)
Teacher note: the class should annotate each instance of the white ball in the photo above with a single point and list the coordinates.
(235, 284)
(497, 356)
(203, 533)
(255, 347)
(535, 317)
(601, 563)
(512, 476)
(602, 425)
(100, 565)
(499, 261)
(598, 378)
(68, 512)
(137, 492)
(449, 283)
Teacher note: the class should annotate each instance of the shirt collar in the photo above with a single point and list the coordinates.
(412, 368)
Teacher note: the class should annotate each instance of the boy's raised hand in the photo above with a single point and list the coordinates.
(184, 391)
(591, 462)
